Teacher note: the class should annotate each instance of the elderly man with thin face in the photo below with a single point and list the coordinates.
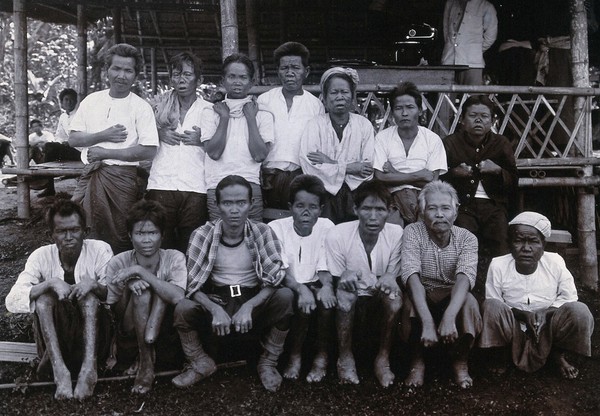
(63, 285)
(531, 303)
(439, 262)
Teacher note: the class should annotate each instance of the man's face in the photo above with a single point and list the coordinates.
(237, 81)
(371, 214)
(68, 234)
(406, 112)
(36, 128)
(121, 74)
(477, 120)
(339, 96)
(146, 238)
(526, 247)
(305, 212)
(234, 205)
(68, 103)
(292, 73)
(184, 80)
(440, 212)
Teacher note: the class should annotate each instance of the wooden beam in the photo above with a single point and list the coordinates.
(17, 352)
(117, 25)
(21, 107)
(229, 28)
(253, 38)
(153, 71)
(81, 52)
(160, 41)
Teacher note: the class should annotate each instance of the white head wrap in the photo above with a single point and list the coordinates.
(337, 71)
(535, 220)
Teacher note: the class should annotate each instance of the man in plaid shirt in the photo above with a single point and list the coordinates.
(234, 275)
(439, 264)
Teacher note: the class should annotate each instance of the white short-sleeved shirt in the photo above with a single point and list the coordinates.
(46, 137)
(63, 127)
(356, 146)
(99, 111)
(305, 256)
(426, 152)
(44, 264)
(345, 251)
(289, 125)
(236, 158)
(551, 285)
(181, 167)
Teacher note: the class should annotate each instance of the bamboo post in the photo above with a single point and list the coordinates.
(229, 28)
(153, 71)
(81, 52)
(253, 37)
(586, 225)
(116, 19)
(21, 109)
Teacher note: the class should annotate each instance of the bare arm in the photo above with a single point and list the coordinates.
(418, 179)
(242, 320)
(216, 145)
(221, 322)
(306, 300)
(257, 146)
(447, 329)
(167, 291)
(115, 134)
(60, 287)
(130, 154)
(417, 294)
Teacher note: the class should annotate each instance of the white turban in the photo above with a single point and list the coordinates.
(535, 220)
(337, 71)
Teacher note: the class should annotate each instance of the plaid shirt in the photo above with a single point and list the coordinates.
(264, 248)
(437, 267)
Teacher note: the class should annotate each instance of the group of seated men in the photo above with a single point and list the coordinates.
(240, 275)
(244, 276)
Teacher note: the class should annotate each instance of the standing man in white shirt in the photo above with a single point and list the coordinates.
(292, 108)
(177, 175)
(116, 130)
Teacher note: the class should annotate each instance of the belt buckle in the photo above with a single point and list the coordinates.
(235, 291)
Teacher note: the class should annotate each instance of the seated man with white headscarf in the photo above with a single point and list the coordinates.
(531, 303)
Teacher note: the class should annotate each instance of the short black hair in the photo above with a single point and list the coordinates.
(478, 99)
(177, 61)
(407, 88)
(67, 91)
(241, 59)
(372, 188)
(310, 184)
(127, 51)
(230, 181)
(291, 49)
(64, 207)
(147, 210)
(35, 121)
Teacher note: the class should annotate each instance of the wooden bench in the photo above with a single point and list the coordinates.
(17, 352)
(70, 169)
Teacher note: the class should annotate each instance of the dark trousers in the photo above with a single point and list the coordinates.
(276, 187)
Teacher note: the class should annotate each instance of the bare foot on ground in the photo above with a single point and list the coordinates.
(85, 383)
(346, 368)
(144, 379)
(64, 386)
(566, 370)
(382, 371)
(416, 375)
(461, 375)
(292, 371)
(318, 370)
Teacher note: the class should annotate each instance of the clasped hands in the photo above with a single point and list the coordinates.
(241, 321)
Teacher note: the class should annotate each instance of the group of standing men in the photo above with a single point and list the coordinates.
(240, 274)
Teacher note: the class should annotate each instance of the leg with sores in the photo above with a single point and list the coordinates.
(88, 375)
(391, 315)
(416, 374)
(321, 360)
(299, 328)
(346, 366)
(44, 306)
(141, 312)
(157, 314)
(460, 361)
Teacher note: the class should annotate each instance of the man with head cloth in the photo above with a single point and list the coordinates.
(531, 303)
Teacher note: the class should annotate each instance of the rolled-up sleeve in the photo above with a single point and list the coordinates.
(467, 258)
(411, 254)
(18, 300)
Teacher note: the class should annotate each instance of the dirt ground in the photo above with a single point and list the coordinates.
(237, 391)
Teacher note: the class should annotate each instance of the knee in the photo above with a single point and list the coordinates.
(46, 301)
(345, 300)
(89, 301)
(283, 301)
(185, 313)
(493, 308)
(392, 307)
(578, 312)
(143, 299)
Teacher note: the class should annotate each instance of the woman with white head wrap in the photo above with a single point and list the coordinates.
(338, 146)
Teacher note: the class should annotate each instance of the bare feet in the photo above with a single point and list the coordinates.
(566, 370)
(133, 368)
(143, 380)
(382, 371)
(292, 371)
(346, 368)
(85, 383)
(64, 386)
(461, 374)
(416, 375)
(318, 370)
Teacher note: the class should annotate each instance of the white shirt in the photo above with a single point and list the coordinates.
(99, 111)
(44, 264)
(289, 125)
(304, 255)
(356, 146)
(46, 137)
(426, 152)
(551, 285)
(180, 167)
(345, 251)
(62, 129)
(236, 158)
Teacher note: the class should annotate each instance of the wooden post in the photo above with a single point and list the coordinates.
(253, 38)
(153, 71)
(81, 52)
(21, 109)
(116, 19)
(586, 226)
(229, 28)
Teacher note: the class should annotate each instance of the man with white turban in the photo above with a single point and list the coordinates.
(531, 303)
